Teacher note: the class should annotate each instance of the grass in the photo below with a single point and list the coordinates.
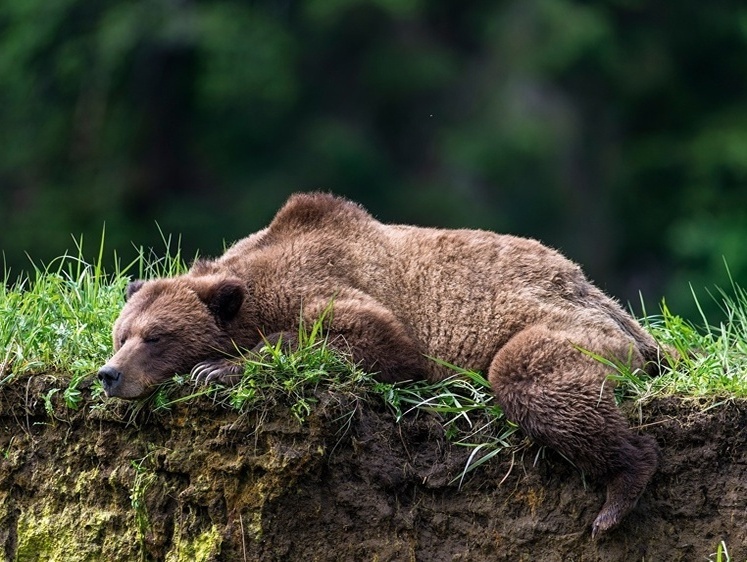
(708, 362)
(464, 403)
(277, 376)
(721, 554)
(58, 320)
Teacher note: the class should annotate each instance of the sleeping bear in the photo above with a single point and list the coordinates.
(398, 296)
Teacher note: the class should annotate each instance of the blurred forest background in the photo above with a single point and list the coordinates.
(615, 130)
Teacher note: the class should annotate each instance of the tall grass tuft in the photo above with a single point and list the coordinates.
(58, 318)
(708, 361)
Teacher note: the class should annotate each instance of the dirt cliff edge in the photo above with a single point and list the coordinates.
(201, 482)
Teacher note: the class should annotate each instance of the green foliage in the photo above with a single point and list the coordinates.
(614, 130)
(60, 319)
(708, 362)
(296, 376)
(276, 375)
(721, 554)
(144, 479)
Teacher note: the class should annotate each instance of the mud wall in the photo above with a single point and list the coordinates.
(201, 482)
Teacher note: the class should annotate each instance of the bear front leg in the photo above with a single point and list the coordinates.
(229, 370)
(375, 339)
(561, 398)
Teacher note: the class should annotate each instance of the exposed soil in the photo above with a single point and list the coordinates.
(201, 482)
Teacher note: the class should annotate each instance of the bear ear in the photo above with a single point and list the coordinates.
(223, 298)
(133, 287)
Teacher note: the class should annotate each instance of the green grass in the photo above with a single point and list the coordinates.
(468, 413)
(276, 376)
(708, 362)
(58, 320)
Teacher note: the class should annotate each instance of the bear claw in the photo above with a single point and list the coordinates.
(223, 371)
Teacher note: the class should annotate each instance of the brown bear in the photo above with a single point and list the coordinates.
(507, 306)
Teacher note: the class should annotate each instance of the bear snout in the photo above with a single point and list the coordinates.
(110, 378)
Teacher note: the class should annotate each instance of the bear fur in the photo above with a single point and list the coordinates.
(400, 295)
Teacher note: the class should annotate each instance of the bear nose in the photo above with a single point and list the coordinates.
(109, 375)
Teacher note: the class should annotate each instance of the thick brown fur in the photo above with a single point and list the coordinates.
(506, 306)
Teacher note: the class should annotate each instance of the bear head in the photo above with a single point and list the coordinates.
(167, 326)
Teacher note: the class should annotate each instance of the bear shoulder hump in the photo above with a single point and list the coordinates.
(311, 211)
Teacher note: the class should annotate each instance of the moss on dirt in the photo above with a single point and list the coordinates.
(200, 548)
(68, 533)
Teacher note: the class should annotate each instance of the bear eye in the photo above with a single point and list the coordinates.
(152, 339)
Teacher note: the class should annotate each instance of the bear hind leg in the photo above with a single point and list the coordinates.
(560, 398)
(628, 483)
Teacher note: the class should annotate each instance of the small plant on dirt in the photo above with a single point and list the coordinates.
(296, 375)
(144, 478)
(721, 554)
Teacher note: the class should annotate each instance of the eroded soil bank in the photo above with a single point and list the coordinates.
(201, 482)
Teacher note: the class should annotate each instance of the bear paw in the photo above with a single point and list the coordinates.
(605, 521)
(223, 371)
